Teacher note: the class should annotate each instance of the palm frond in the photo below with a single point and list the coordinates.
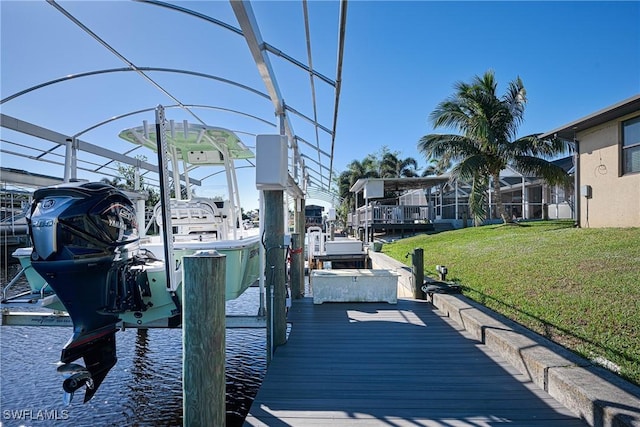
(455, 146)
(535, 166)
(470, 167)
(478, 199)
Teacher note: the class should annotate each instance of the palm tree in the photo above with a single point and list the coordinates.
(391, 166)
(367, 168)
(488, 142)
(436, 167)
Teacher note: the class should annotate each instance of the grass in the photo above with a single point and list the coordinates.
(578, 287)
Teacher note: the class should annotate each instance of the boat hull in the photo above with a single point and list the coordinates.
(242, 270)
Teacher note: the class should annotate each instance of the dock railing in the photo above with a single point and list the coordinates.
(388, 214)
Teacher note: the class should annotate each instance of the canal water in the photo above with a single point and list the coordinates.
(144, 388)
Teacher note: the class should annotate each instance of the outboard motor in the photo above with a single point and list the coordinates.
(85, 245)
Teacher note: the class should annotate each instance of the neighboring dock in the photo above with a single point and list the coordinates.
(403, 364)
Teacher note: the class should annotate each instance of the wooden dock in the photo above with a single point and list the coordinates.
(377, 364)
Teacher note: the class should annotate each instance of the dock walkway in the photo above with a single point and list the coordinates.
(377, 364)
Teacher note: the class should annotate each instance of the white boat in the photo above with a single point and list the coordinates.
(89, 259)
(198, 224)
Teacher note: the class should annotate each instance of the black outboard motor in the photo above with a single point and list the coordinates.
(85, 239)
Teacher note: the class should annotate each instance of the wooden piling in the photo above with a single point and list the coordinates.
(417, 270)
(203, 336)
(301, 229)
(297, 280)
(275, 274)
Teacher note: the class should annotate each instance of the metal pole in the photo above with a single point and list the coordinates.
(165, 200)
(366, 220)
(302, 232)
(67, 159)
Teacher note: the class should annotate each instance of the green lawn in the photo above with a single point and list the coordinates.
(578, 287)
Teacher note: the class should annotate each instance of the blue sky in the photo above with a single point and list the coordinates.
(401, 59)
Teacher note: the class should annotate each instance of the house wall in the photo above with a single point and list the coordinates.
(615, 199)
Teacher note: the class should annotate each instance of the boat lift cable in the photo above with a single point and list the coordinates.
(305, 10)
(341, 39)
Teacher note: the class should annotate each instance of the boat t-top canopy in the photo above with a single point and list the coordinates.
(195, 144)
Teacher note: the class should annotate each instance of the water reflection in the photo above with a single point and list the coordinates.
(145, 386)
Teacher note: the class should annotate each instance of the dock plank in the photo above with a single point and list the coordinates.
(393, 365)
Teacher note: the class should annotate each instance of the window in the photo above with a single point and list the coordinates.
(631, 146)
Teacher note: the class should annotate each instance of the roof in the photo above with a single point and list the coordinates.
(186, 86)
(401, 184)
(568, 131)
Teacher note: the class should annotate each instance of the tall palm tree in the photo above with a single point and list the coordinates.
(488, 142)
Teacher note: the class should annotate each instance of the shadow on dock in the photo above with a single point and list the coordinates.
(391, 365)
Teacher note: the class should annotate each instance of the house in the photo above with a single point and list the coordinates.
(440, 203)
(607, 175)
(523, 198)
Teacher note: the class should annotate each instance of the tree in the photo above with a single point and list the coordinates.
(367, 168)
(488, 143)
(436, 166)
(392, 166)
(383, 164)
(126, 181)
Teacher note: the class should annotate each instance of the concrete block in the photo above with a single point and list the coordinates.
(343, 247)
(532, 357)
(597, 396)
(354, 285)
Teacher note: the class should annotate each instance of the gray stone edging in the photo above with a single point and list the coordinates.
(599, 397)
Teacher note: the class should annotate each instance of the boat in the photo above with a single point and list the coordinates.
(197, 223)
(90, 256)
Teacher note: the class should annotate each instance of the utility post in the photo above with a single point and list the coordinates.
(272, 177)
(275, 280)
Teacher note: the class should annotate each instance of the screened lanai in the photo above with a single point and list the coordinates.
(440, 202)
